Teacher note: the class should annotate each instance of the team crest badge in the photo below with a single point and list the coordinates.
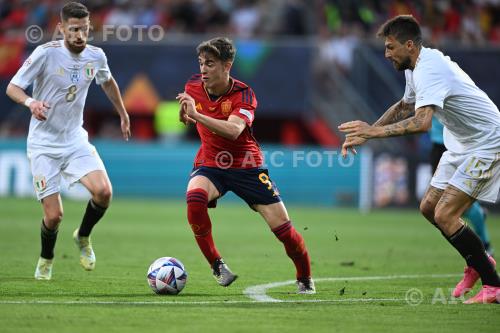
(199, 107)
(40, 183)
(89, 71)
(74, 75)
(226, 108)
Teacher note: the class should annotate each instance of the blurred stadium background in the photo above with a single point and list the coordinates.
(312, 65)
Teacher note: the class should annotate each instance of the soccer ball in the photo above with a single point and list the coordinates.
(167, 276)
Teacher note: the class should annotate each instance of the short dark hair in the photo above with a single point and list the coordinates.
(221, 47)
(74, 9)
(403, 28)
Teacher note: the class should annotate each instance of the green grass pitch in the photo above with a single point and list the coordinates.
(344, 246)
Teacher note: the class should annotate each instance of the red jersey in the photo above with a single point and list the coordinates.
(215, 150)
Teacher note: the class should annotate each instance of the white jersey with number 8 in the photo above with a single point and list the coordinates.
(61, 79)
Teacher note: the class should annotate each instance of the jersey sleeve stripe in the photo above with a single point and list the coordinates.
(245, 96)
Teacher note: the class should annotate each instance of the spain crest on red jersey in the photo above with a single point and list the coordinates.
(226, 107)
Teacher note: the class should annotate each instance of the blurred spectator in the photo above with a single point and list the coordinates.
(245, 18)
(39, 14)
(148, 13)
(338, 49)
(444, 21)
(181, 16)
(294, 20)
(122, 14)
(402, 7)
(494, 36)
(213, 16)
(452, 18)
(471, 30)
(15, 14)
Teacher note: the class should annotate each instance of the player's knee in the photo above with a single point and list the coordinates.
(107, 193)
(427, 209)
(103, 196)
(53, 219)
(443, 217)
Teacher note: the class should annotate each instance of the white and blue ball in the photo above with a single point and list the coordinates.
(167, 276)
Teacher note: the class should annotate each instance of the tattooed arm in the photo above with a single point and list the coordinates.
(419, 123)
(357, 132)
(395, 113)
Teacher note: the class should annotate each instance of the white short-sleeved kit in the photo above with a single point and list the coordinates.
(59, 145)
(471, 124)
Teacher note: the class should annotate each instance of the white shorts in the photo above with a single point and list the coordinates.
(73, 164)
(477, 174)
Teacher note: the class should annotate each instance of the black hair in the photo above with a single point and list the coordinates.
(402, 28)
(74, 10)
(222, 48)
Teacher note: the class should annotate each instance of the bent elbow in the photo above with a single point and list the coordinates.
(236, 132)
(13, 90)
(426, 126)
(8, 90)
(234, 136)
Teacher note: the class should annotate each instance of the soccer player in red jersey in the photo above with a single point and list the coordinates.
(230, 159)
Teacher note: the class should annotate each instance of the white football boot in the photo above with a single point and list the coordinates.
(306, 286)
(87, 256)
(43, 269)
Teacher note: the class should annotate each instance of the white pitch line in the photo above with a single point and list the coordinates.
(258, 292)
(344, 300)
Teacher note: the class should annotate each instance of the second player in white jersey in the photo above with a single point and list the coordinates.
(61, 73)
(63, 78)
(470, 170)
(471, 119)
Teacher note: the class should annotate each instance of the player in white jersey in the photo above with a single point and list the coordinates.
(470, 169)
(61, 73)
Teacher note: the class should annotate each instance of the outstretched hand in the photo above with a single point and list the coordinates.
(358, 132)
(357, 128)
(350, 143)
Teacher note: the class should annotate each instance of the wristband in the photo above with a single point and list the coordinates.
(28, 101)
